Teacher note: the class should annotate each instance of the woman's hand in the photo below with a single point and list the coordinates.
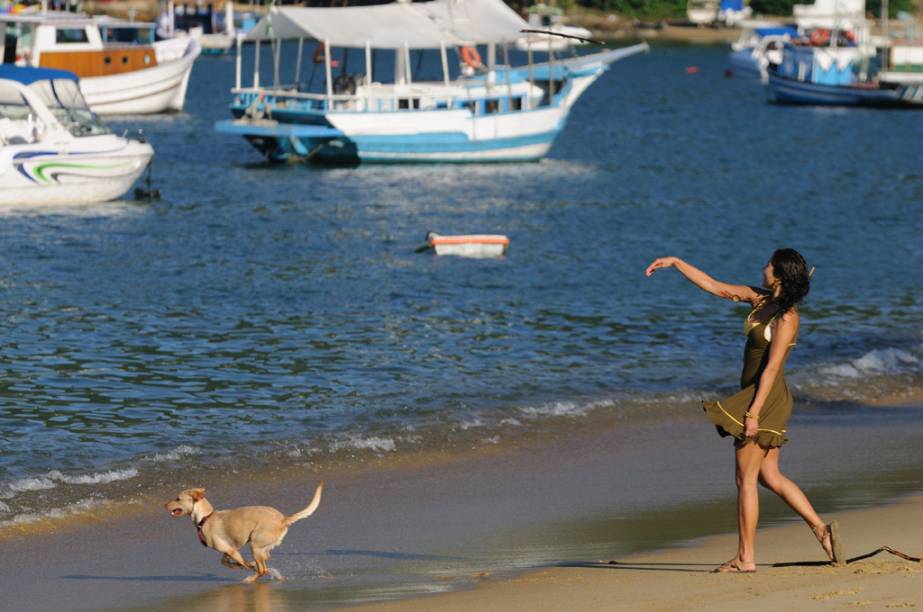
(751, 427)
(660, 262)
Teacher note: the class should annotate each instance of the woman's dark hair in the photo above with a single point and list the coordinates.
(790, 268)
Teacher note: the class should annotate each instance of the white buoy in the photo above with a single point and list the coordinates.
(471, 245)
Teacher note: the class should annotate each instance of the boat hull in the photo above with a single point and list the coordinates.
(159, 89)
(785, 90)
(95, 172)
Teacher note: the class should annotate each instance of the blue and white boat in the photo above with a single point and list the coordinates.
(832, 76)
(489, 112)
(759, 45)
(54, 149)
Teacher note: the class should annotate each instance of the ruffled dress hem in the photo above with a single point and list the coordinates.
(729, 425)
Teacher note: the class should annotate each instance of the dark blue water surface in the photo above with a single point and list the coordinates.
(286, 303)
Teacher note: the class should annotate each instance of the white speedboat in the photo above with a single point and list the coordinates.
(122, 69)
(54, 149)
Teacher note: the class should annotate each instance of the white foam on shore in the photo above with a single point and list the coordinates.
(24, 485)
(78, 507)
(95, 478)
(51, 479)
(174, 455)
(877, 362)
(357, 442)
(555, 410)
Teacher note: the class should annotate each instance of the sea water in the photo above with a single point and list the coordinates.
(280, 312)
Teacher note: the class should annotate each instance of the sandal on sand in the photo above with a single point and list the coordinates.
(829, 537)
(731, 567)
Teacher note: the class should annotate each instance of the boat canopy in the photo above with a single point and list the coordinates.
(27, 76)
(777, 31)
(422, 25)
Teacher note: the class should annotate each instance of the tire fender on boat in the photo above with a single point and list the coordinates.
(820, 37)
(471, 57)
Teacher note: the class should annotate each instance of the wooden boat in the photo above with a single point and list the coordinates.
(122, 69)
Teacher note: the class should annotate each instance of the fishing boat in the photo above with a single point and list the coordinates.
(549, 30)
(493, 112)
(825, 23)
(838, 76)
(759, 44)
(121, 67)
(54, 149)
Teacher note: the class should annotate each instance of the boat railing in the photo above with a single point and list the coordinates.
(369, 100)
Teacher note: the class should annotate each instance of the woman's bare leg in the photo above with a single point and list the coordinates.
(784, 487)
(791, 494)
(748, 457)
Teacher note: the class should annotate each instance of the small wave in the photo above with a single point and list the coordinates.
(357, 442)
(97, 478)
(881, 361)
(52, 478)
(176, 454)
(24, 485)
(4, 508)
(466, 425)
(78, 507)
(556, 409)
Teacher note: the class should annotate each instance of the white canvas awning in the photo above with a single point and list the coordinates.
(391, 26)
(474, 21)
(385, 26)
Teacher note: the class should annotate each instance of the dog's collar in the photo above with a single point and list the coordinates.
(198, 529)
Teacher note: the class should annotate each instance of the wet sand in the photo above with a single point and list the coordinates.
(393, 529)
(788, 576)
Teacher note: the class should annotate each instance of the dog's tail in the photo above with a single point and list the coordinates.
(288, 520)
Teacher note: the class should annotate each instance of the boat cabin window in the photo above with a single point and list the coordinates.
(491, 106)
(70, 35)
(12, 105)
(66, 103)
(128, 35)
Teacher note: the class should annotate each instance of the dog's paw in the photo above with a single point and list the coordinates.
(251, 579)
(274, 573)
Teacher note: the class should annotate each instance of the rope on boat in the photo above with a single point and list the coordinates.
(550, 33)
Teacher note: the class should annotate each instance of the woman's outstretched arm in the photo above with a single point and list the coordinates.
(738, 293)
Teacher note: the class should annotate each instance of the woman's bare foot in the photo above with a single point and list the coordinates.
(735, 566)
(823, 534)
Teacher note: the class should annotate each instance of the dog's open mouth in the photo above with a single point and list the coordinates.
(176, 512)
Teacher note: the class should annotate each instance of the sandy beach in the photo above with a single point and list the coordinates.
(789, 575)
(519, 527)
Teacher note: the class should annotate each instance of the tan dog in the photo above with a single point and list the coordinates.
(227, 531)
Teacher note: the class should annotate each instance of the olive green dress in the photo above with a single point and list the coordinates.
(728, 413)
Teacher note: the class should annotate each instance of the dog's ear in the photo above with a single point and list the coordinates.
(197, 494)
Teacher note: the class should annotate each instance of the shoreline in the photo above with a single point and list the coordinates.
(395, 530)
(680, 577)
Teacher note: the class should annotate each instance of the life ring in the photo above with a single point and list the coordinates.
(820, 37)
(471, 57)
(319, 56)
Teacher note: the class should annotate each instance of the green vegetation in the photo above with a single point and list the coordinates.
(665, 9)
(641, 9)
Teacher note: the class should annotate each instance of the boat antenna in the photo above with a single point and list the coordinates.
(550, 33)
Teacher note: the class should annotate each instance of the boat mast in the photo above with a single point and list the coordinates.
(328, 73)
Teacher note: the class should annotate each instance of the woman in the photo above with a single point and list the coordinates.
(756, 416)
